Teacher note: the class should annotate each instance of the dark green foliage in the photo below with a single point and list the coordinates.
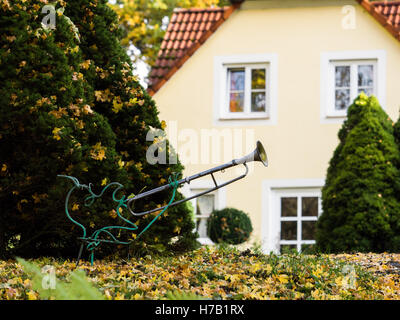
(360, 199)
(70, 105)
(229, 225)
(47, 127)
(131, 112)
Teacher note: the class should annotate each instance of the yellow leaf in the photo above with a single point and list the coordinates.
(75, 50)
(137, 296)
(104, 181)
(117, 106)
(255, 267)
(177, 229)
(113, 214)
(31, 295)
(85, 64)
(75, 207)
(56, 133)
(98, 152)
(283, 278)
(36, 198)
(4, 168)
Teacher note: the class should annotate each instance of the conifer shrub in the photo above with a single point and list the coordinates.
(47, 127)
(132, 113)
(229, 225)
(70, 105)
(360, 199)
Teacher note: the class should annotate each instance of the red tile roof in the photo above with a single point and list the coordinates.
(190, 28)
(386, 13)
(187, 30)
(391, 10)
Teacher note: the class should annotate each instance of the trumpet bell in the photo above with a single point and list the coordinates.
(261, 155)
(258, 154)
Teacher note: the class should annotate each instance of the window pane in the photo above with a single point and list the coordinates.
(289, 207)
(236, 79)
(308, 230)
(342, 99)
(258, 101)
(367, 91)
(236, 103)
(342, 76)
(307, 248)
(202, 227)
(205, 205)
(288, 230)
(288, 248)
(258, 78)
(365, 76)
(309, 207)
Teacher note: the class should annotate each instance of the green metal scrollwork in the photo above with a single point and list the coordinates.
(94, 240)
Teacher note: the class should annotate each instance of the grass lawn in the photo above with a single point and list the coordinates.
(224, 273)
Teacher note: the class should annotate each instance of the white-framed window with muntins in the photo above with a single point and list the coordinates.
(350, 79)
(246, 93)
(295, 213)
(345, 75)
(245, 88)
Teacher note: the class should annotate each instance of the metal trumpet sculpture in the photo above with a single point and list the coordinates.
(94, 240)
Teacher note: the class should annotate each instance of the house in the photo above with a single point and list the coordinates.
(282, 72)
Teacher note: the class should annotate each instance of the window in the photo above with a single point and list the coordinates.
(246, 89)
(344, 75)
(203, 207)
(298, 218)
(350, 79)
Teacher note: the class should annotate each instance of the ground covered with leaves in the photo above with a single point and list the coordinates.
(219, 273)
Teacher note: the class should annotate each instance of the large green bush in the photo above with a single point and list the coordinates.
(70, 105)
(131, 112)
(229, 225)
(47, 127)
(360, 199)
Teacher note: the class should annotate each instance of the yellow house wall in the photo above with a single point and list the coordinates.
(299, 145)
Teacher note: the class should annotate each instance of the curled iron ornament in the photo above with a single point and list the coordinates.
(94, 240)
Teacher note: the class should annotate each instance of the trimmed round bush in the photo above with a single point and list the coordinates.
(229, 225)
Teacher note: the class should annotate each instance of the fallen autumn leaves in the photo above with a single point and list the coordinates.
(216, 273)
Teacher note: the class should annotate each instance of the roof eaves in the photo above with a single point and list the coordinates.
(153, 89)
(373, 11)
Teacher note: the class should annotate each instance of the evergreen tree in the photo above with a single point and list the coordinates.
(360, 199)
(47, 127)
(131, 112)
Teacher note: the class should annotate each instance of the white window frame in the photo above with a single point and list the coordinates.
(271, 191)
(352, 58)
(297, 193)
(247, 113)
(222, 116)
